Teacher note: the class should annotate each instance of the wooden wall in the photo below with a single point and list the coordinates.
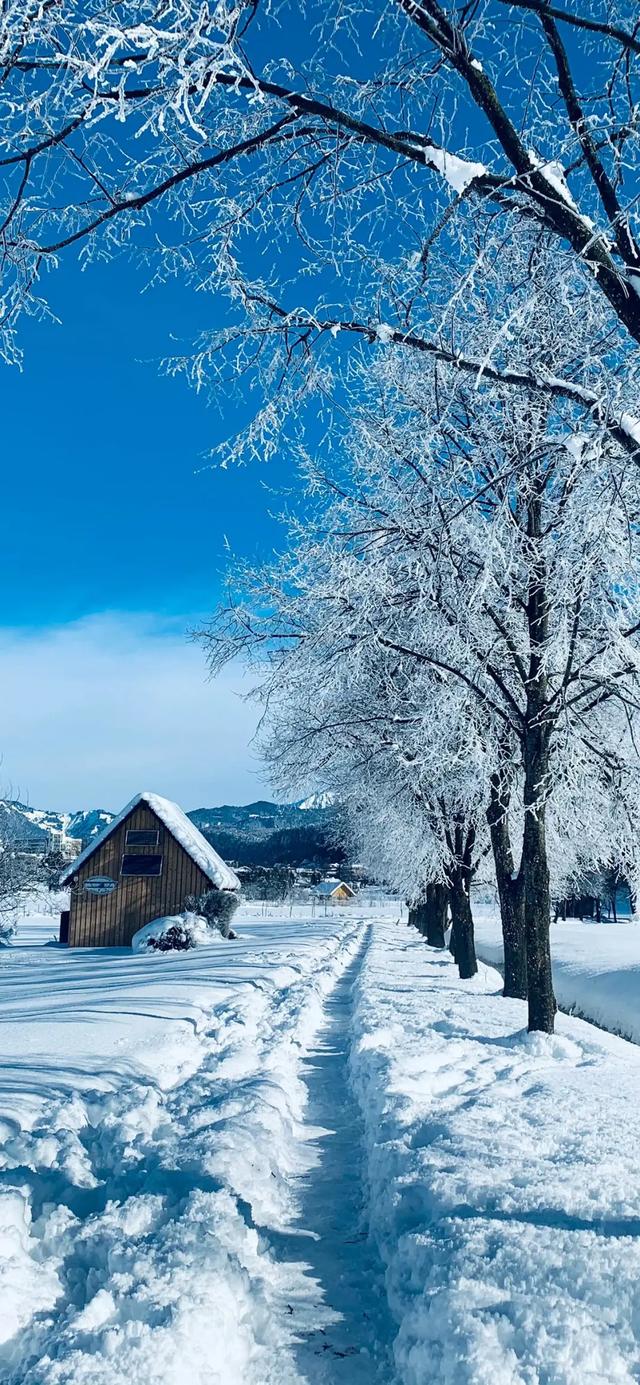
(111, 920)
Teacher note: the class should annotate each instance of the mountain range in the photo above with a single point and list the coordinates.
(260, 833)
(21, 824)
(266, 834)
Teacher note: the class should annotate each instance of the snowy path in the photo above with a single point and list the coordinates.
(145, 1214)
(353, 1344)
(181, 1166)
(193, 1149)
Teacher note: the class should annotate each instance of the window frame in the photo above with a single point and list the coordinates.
(141, 831)
(138, 857)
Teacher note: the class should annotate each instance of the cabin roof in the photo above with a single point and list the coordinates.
(181, 827)
(329, 887)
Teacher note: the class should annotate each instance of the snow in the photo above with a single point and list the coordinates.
(627, 423)
(459, 173)
(314, 1156)
(631, 426)
(197, 928)
(556, 177)
(502, 1178)
(151, 1108)
(318, 800)
(385, 333)
(326, 888)
(181, 827)
(596, 969)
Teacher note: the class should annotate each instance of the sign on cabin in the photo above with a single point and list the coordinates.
(99, 884)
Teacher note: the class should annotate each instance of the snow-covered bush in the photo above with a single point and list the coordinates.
(217, 907)
(176, 939)
(175, 933)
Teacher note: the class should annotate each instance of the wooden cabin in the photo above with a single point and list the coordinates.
(142, 867)
(334, 891)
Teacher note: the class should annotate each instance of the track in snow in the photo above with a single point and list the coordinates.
(156, 1246)
(330, 1235)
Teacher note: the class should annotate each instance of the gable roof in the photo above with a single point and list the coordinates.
(181, 827)
(329, 887)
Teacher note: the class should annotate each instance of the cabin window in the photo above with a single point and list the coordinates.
(142, 836)
(141, 865)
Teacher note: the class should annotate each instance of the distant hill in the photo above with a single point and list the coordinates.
(264, 833)
(88, 823)
(22, 825)
(317, 801)
(253, 818)
(260, 833)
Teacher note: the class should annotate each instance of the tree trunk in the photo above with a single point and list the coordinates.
(452, 935)
(535, 754)
(462, 922)
(513, 937)
(435, 914)
(420, 919)
(537, 896)
(510, 893)
(429, 915)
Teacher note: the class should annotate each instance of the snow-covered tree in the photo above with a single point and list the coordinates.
(314, 168)
(20, 871)
(491, 545)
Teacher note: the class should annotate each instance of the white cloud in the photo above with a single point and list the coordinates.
(93, 711)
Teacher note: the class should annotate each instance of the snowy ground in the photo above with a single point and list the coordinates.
(503, 1180)
(596, 969)
(309, 1156)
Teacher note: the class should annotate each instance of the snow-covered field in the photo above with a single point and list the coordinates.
(312, 1155)
(596, 969)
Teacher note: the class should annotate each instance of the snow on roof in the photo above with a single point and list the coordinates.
(181, 827)
(329, 887)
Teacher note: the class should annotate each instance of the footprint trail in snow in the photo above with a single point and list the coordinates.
(330, 1236)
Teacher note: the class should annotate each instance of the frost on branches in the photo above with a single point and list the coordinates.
(452, 644)
(329, 147)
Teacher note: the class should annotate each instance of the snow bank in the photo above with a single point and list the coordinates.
(502, 1179)
(28, 1287)
(192, 927)
(132, 1241)
(596, 969)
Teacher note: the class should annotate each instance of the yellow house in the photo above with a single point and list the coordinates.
(334, 892)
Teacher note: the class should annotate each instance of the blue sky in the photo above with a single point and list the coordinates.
(113, 543)
(114, 538)
(107, 504)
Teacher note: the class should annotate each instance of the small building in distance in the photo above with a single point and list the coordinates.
(58, 841)
(334, 891)
(143, 866)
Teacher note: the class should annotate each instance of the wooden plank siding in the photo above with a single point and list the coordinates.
(111, 920)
